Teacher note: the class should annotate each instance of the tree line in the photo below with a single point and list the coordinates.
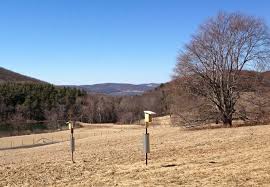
(37, 102)
(44, 102)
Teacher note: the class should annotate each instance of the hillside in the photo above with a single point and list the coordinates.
(247, 79)
(113, 156)
(172, 98)
(10, 76)
(118, 89)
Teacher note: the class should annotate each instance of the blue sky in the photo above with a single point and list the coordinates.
(96, 41)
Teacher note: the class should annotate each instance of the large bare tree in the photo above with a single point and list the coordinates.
(223, 47)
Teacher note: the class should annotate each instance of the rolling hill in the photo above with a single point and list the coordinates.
(10, 76)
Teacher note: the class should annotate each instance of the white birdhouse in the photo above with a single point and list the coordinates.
(148, 116)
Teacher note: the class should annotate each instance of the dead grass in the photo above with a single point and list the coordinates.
(113, 157)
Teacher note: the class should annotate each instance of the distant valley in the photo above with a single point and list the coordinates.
(117, 89)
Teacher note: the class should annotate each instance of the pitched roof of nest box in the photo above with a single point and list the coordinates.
(149, 112)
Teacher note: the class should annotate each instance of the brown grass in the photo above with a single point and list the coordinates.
(113, 157)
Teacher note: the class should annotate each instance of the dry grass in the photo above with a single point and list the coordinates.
(113, 157)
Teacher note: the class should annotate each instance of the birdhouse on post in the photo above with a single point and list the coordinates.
(148, 116)
(146, 139)
(70, 125)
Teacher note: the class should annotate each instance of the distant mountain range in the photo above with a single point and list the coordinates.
(117, 89)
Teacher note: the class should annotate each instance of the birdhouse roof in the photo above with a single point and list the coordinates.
(149, 112)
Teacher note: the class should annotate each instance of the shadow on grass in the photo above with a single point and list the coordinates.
(31, 146)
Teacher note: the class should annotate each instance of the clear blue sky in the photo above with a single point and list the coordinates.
(95, 41)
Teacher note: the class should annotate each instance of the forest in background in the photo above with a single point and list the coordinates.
(37, 102)
(24, 102)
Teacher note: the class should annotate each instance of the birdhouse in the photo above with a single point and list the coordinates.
(148, 116)
(70, 125)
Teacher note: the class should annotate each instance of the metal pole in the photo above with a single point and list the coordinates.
(72, 150)
(146, 152)
(72, 144)
(146, 159)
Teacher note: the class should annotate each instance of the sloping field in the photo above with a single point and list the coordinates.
(113, 157)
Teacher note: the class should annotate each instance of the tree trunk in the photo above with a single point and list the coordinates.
(227, 120)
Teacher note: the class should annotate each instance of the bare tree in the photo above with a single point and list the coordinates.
(223, 47)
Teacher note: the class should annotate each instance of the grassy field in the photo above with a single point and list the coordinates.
(112, 156)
